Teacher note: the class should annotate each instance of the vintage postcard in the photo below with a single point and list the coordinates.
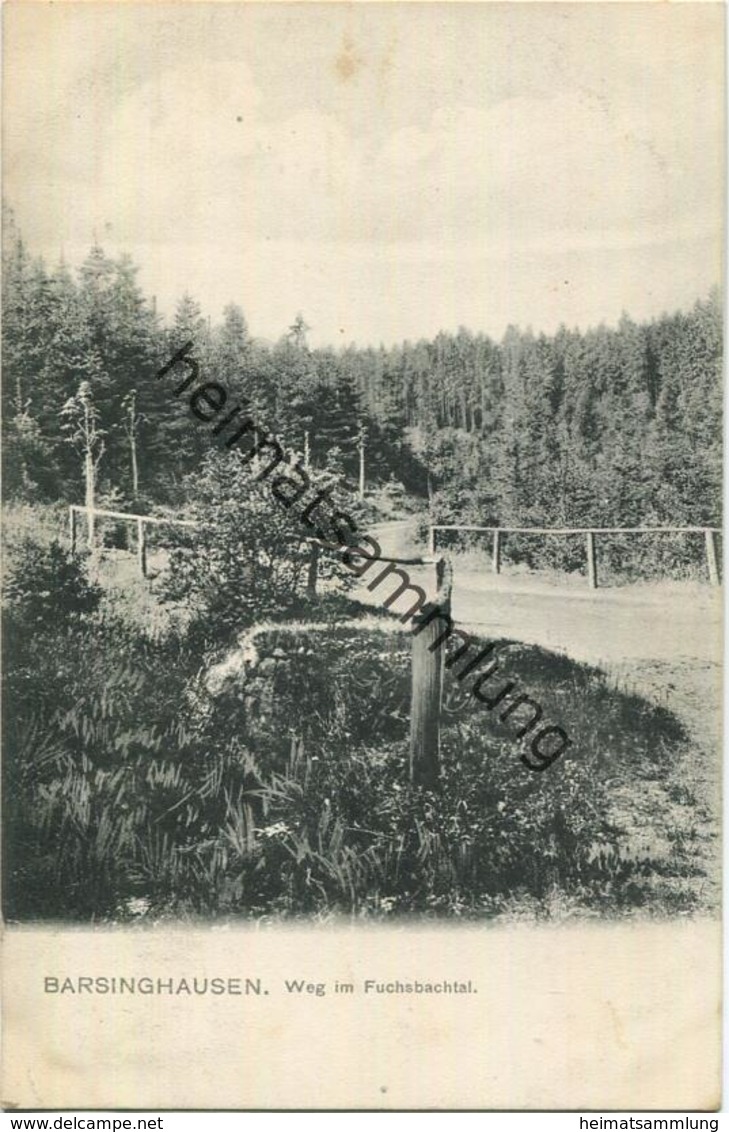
(362, 527)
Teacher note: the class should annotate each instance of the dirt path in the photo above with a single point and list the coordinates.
(663, 621)
(662, 640)
(659, 640)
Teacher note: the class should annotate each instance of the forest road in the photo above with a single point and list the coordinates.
(662, 640)
(663, 621)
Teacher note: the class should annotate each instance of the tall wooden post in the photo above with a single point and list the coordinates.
(497, 552)
(591, 561)
(427, 687)
(72, 525)
(711, 557)
(313, 571)
(361, 448)
(431, 539)
(141, 548)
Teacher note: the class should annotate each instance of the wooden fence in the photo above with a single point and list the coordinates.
(590, 533)
(76, 509)
(141, 521)
(427, 662)
(427, 665)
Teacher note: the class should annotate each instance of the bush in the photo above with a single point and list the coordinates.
(47, 581)
(248, 558)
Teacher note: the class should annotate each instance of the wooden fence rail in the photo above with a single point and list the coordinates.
(140, 520)
(427, 662)
(316, 545)
(590, 534)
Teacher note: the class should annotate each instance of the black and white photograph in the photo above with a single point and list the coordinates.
(362, 416)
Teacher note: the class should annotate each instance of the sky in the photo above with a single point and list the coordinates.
(389, 170)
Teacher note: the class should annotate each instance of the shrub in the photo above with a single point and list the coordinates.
(248, 557)
(46, 581)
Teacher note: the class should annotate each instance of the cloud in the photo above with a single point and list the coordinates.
(190, 155)
(521, 172)
(175, 152)
(518, 171)
(253, 171)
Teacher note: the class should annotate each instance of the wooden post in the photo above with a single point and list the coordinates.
(711, 557)
(431, 540)
(591, 561)
(72, 524)
(313, 572)
(141, 548)
(91, 529)
(497, 552)
(427, 687)
(361, 448)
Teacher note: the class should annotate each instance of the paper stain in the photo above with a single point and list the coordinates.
(348, 62)
(619, 1032)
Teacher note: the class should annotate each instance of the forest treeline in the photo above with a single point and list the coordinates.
(608, 426)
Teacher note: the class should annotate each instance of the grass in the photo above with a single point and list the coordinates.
(142, 788)
(153, 772)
